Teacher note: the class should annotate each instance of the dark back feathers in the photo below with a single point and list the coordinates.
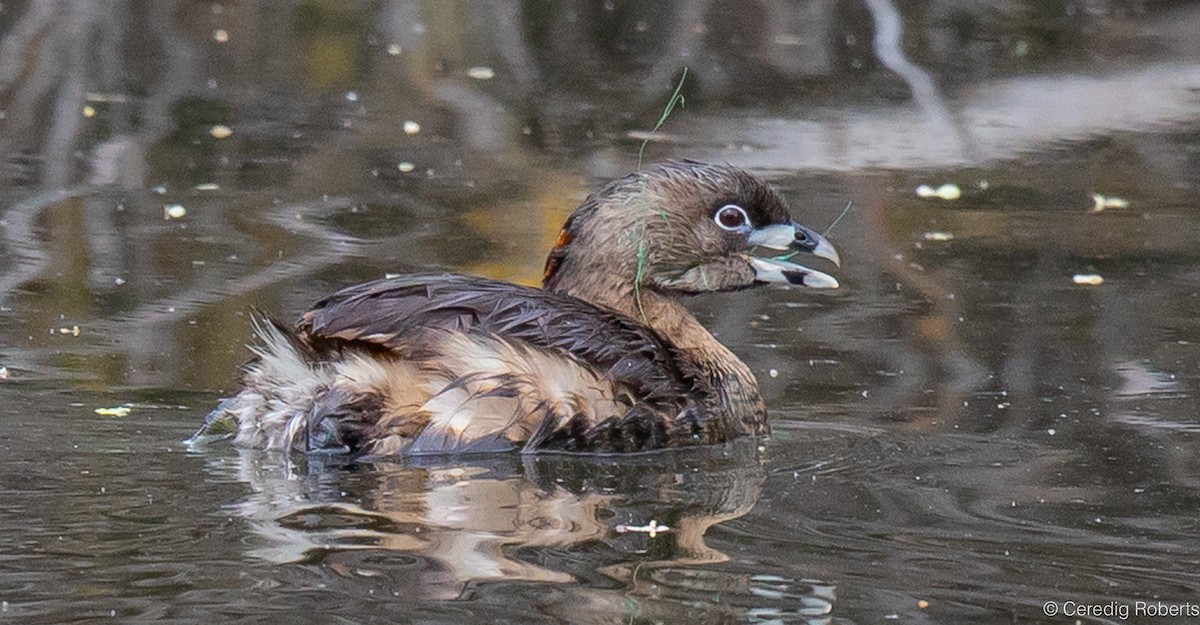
(405, 315)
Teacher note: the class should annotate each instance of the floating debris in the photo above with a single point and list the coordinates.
(1101, 202)
(89, 111)
(411, 127)
(220, 35)
(352, 96)
(220, 131)
(481, 72)
(938, 236)
(394, 49)
(948, 191)
(656, 137)
(653, 528)
(174, 211)
(1088, 279)
(207, 186)
(406, 167)
(72, 331)
(118, 411)
(773, 373)
(92, 96)
(922, 604)
(3, 373)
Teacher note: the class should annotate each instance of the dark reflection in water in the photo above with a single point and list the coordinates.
(962, 433)
(504, 518)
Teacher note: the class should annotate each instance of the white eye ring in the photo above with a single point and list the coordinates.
(731, 217)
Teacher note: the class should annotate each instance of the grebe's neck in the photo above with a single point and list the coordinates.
(732, 386)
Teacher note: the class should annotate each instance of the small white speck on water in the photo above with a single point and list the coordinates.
(352, 96)
(773, 373)
(948, 192)
(220, 35)
(1101, 203)
(481, 72)
(394, 49)
(406, 167)
(411, 127)
(1052, 431)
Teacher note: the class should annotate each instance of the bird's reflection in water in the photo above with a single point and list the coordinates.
(450, 529)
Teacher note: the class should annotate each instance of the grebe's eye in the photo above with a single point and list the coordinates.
(801, 236)
(731, 217)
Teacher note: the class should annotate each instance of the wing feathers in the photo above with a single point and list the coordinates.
(427, 364)
(400, 314)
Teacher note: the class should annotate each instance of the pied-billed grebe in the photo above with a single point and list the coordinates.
(604, 358)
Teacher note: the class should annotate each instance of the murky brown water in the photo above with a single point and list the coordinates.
(962, 432)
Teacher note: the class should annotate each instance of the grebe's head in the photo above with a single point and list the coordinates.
(686, 227)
